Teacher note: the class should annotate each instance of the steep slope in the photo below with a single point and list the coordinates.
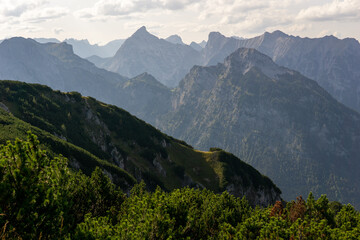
(126, 142)
(12, 128)
(277, 120)
(145, 97)
(57, 66)
(98, 61)
(332, 62)
(196, 46)
(143, 52)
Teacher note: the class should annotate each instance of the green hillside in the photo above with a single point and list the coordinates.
(78, 127)
(41, 198)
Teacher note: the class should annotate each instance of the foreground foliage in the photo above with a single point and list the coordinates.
(40, 198)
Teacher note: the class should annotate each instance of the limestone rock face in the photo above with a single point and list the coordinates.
(273, 118)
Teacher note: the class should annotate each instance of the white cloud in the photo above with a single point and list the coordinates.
(336, 10)
(116, 8)
(44, 14)
(30, 11)
(57, 31)
(15, 8)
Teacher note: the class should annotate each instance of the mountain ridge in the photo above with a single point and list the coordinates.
(328, 60)
(277, 120)
(121, 140)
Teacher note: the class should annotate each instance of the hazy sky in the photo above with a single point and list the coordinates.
(101, 21)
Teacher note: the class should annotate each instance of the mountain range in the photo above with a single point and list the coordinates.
(56, 65)
(85, 49)
(274, 118)
(332, 62)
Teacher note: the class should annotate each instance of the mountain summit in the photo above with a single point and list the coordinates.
(244, 59)
(142, 33)
(144, 52)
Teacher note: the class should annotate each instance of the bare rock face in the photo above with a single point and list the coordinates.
(273, 118)
(332, 62)
(3, 106)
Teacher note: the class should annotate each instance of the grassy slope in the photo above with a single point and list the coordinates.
(12, 128)
(96, 129)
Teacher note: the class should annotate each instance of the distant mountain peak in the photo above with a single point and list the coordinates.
(18, 40)
(279, 33)
(215, 35)
(66, 47)
(176, 39)
(247, 58)
(72, 40)
(141, 32)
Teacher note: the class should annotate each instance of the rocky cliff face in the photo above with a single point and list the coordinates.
(277, 120)
(332, 62)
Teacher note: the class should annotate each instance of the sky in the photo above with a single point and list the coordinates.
(101, 21)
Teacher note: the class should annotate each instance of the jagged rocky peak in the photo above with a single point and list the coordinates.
(63, 47)
(142, 33)
(176, 39)
(244, 59)
(215, 41)
(72, 40)
(215, 37)
(196, 46)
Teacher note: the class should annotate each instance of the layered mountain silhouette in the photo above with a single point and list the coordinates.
(144, 52)
(85, 49)
(332, 62)
(274, 118)
(56, 65)
(91, 133)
